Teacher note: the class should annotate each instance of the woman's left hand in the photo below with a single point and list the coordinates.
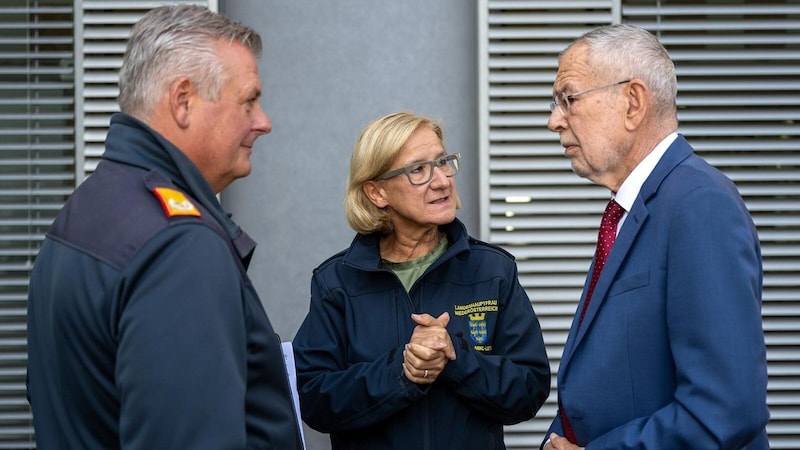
(421, 364)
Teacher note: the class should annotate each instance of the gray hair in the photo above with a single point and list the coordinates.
(632, 52)
(176, 41)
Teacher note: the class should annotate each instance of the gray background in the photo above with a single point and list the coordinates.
(328, 68)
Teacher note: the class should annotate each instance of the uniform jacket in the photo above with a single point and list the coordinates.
(349, 350)
(671, 352)
(144, 331)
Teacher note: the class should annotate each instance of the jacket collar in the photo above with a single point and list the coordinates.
(364, 251)
(132, 142)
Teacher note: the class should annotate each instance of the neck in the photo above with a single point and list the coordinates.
(400, 247)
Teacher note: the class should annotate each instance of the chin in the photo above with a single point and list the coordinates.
(445, 219)
(578, 170)
(244, 170)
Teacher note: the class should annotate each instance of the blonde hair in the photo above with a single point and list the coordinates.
(374, 152)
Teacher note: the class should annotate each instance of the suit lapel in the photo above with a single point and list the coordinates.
(675, 154)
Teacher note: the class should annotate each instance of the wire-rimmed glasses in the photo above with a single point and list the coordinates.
(566, 101)
(422, 172)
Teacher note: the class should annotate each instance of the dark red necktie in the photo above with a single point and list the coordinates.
(605, 240)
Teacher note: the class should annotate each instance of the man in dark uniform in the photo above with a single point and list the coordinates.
(144, 330)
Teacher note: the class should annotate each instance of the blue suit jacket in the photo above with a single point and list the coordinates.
(671, 352)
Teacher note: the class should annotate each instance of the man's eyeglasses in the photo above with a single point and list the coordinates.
(422, 172)
(565, 101)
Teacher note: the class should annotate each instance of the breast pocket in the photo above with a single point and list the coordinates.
(630, 283)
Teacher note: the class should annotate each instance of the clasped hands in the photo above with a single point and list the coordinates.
(429, 349)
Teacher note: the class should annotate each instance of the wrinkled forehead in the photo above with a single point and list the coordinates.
(574, 70)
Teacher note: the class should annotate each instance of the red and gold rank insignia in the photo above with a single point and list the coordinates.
(175, 202)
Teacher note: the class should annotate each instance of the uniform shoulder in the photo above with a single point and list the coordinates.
(115, 212)
(477, 244)
(333, 259)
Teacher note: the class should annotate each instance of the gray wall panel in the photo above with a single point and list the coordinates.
(327, 69)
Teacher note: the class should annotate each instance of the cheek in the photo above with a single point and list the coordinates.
(593, 137)
(230, 130)
(213, 126)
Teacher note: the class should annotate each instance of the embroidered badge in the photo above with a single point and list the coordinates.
(175, 203)
(478, 327)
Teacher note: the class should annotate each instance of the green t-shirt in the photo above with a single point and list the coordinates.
(410, 271)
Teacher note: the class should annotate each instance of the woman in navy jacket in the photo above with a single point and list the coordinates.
(418, 335)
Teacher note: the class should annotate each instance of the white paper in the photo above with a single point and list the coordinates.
(288, 359)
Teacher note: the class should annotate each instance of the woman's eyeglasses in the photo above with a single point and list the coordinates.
(422, 172)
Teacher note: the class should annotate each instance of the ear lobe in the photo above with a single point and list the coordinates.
(180, 93)
(375, 193)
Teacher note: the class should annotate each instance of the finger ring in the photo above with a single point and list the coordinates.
(425, 375)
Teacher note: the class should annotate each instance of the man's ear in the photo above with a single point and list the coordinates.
(376, 194)
(181, 94)
(638, 96)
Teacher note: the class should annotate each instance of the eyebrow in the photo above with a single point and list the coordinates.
(564, 88)
(441, 155)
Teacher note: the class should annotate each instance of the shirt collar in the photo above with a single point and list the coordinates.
(629, 190)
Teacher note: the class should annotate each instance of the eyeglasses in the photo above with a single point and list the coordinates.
(565, 101)
(422, 172)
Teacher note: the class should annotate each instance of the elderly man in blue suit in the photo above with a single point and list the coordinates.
(666, 350)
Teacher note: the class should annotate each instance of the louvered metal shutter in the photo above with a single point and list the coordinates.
(36, 175)
(58, 88)
(738, 66)
(106, 25)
